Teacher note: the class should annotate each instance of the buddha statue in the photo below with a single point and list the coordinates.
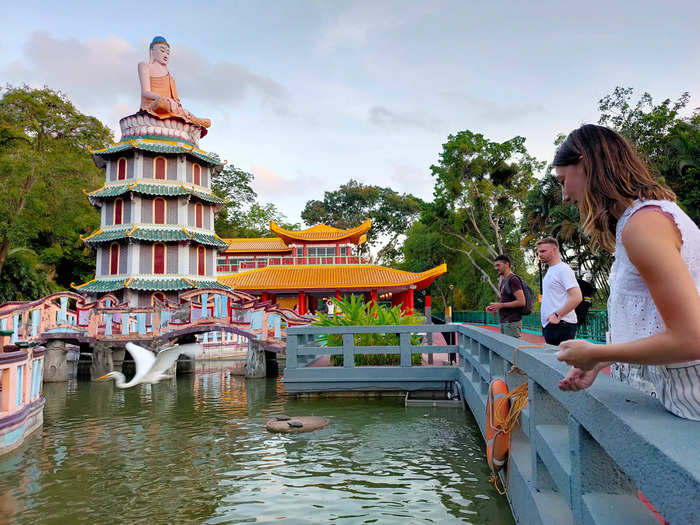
(158, 92)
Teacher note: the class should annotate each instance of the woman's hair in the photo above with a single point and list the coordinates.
(615, 177)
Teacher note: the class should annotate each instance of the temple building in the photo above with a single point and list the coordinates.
(296, 269)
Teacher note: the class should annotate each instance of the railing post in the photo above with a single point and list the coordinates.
(291, 352)
(348, 351)
(405, 346)
(593, 471)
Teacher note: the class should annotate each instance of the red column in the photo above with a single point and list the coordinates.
(337, 295)
(302, 303)
(410, 301)
(373, 295)
(427, 301)
(337, 250)
(273, 298)
(264, 296)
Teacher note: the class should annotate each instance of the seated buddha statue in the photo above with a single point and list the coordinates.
(158, 92)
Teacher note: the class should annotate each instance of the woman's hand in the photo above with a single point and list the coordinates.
(578, 379)
(578, 353)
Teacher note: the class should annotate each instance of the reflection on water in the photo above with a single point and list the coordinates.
(194, 450)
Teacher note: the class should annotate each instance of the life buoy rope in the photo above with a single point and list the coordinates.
(503, 410)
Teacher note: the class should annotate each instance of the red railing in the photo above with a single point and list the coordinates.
(289, 261)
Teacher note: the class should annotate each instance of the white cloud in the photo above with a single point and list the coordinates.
(386, 118)
(102, 71)
(270, 185)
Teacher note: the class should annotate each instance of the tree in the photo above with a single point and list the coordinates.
(669, 141)
(243, 215)
(424, 248)
(480, 189)
(392, 214)
(234, 185)
(545, 215)
(23, 278)
(44, 165)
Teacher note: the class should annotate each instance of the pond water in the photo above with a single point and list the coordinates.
(195, 450)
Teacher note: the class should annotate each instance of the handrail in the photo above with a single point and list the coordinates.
(577, 457)
(594, 328)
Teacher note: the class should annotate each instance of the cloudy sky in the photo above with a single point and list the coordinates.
(308, 94)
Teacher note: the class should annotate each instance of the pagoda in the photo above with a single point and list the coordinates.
(157, 210)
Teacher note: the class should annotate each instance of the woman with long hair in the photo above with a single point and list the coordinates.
(654, 303)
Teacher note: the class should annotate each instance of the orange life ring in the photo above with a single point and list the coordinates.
(497, 440)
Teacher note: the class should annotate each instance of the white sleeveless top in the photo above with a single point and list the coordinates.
(633, 315)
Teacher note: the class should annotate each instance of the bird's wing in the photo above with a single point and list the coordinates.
(143, 359)
(164, 360)
(191, 349)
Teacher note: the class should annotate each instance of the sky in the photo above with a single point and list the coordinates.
(307, 95)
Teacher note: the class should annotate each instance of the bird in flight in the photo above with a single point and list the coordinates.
(150, 367)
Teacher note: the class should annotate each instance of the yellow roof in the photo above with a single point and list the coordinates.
(323, 232)
(329, 277)
(256, 244)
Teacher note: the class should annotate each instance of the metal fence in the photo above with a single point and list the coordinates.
(593, 329)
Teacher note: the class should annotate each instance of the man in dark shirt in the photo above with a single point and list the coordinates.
(512, 298)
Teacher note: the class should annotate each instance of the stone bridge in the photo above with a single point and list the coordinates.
(103, 327)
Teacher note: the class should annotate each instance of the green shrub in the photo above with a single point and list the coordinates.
(355, 312)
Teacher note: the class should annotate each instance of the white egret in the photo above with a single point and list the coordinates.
(150, 368)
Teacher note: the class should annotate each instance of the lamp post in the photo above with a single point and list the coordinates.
(452, 355)
(483, 298)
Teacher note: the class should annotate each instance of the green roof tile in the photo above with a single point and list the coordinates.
(145, 284)
(209, 240)
(166, 190)
(157, 235)
(159, 148)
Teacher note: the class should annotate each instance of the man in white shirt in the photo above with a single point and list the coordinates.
(560, 295)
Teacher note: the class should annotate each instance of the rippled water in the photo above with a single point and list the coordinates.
(195, 451)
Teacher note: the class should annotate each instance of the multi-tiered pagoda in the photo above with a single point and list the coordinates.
(157, 234)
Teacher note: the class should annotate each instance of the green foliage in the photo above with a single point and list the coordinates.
(44, 165)
(355, 312)
(670, 144)
(480, 188)
(351, 204)
(669, 141)
(242, 215)
(23, 278)
(545, 215)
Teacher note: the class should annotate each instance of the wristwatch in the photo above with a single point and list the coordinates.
(557, 314)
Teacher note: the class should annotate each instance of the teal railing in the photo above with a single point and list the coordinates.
(593, 329)
(575, 458)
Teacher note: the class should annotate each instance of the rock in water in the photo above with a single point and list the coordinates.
(297, 424)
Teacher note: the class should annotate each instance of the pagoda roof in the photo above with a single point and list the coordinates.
(256, 244)
(329, 277)
(158, 234)
(156, 146)
(160, 189)
(146, 284)
(323, 232)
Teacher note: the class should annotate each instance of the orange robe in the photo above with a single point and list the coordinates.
(165, 87)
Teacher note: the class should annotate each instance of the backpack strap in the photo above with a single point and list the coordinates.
(506, 286)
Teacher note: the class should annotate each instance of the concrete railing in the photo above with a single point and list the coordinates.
(578, 457)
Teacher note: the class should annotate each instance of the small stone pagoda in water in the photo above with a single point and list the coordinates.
(157, 236)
